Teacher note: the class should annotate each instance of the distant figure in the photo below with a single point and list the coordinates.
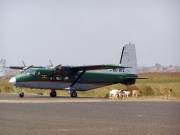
(167, 92)
(136, 93)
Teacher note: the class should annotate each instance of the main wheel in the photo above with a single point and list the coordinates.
(21, 94)
(73, 94)
(53, 93)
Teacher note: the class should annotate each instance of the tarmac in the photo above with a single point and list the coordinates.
(35, 114)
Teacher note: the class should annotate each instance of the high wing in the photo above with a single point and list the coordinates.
(97, 67)
(75, 69)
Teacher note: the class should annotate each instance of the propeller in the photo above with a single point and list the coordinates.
(51, 63)
(23, 63)
(25, 68)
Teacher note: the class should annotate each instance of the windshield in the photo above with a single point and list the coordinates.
(30, 71)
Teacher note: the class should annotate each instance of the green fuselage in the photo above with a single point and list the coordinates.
(42, 78)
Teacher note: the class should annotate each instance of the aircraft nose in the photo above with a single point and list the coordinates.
(12, 80)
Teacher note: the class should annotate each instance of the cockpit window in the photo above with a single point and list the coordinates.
(38, 73)
(30, 71)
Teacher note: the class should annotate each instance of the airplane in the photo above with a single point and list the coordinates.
(2, 65)
(80, 78)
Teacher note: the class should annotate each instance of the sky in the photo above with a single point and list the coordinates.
(89, 32)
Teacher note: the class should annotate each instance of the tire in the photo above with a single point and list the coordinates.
(21, 94)
(53, 94)
(73, 94)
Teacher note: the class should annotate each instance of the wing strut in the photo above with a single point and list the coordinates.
(77, 78)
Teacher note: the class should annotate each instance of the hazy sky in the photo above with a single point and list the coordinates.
(78, 32)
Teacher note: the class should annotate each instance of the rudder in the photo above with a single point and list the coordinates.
(128, 59)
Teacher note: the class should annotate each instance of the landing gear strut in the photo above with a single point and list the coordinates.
(53, 93)
(21, 94)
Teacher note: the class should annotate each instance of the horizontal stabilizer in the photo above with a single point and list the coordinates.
(137, 77)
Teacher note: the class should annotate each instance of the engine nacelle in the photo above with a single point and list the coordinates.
(64, 71)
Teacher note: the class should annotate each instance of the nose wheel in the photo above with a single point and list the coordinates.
(21, 94)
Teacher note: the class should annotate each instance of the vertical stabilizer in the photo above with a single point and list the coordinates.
(2, 67)
(128, 59)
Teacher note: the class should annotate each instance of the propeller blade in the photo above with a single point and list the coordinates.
(23, 63)
(27, 67)
(51, 63)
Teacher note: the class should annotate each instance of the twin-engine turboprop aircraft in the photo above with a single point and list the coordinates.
(80, 78)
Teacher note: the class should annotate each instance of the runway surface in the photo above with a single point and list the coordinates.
(64, 115)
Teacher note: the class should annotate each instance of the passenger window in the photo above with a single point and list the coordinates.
(33, 72)
(66, 78)
(29, 71)
(58, 78)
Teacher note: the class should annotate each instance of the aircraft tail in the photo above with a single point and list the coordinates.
(128, 59)
(2, 67)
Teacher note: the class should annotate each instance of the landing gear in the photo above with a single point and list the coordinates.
(73, 93)
(53, 93)
(21, 94)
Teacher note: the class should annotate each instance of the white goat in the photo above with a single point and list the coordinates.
(125, 93)
(115, 94)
